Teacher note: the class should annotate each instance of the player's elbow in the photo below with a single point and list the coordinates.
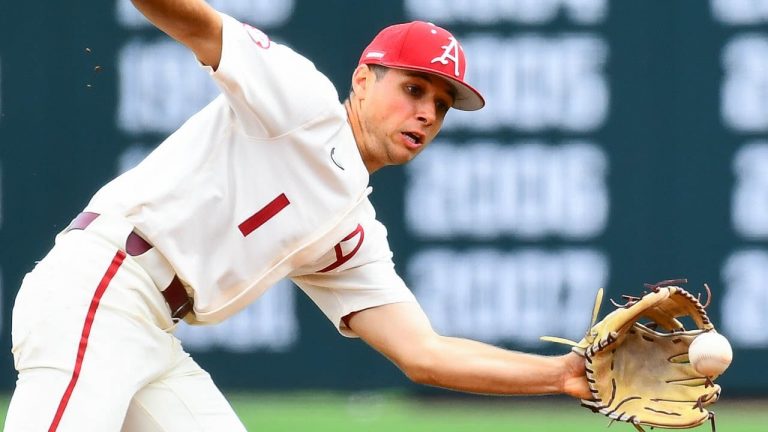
(421, 372)
(422, 365)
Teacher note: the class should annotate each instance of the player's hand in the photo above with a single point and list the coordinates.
(575, 377)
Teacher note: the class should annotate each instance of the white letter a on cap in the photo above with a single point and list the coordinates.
(450, 52)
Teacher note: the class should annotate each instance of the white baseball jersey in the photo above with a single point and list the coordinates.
(265, 182)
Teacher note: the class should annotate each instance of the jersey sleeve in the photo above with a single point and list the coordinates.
(368, 279)
(270, 88)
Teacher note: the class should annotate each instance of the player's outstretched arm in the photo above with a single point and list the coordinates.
(192, 22)
(402, 332)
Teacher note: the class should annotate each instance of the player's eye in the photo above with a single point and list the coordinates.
(414, 90)
(441, 106)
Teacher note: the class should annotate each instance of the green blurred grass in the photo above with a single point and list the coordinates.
(374, 412)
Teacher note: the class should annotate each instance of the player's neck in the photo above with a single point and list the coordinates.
(358, 131)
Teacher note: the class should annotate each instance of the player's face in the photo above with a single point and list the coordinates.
(403, 111)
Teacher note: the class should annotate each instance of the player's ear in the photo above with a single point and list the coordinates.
(362, 78)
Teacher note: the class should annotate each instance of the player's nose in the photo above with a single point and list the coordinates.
(426, 112)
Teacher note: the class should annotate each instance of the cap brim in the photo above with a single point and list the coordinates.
(467, 98)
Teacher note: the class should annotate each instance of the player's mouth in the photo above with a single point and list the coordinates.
(413, 140)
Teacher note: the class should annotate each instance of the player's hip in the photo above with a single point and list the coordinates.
(84, 275)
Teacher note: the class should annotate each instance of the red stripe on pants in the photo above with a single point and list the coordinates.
(116, 262)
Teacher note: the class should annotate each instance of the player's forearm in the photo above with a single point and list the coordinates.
(402, 332)
(191, 22)
(476, 367)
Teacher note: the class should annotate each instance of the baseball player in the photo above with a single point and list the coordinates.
(268, 181)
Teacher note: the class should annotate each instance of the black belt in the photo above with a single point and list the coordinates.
(175, 294)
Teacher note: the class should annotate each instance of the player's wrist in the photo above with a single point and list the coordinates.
(574, 380)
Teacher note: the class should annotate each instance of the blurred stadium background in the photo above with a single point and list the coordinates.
(623, 142)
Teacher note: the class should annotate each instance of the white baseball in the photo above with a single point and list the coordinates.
(710, 354)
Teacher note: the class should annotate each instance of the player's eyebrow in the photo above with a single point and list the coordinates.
(433, 80)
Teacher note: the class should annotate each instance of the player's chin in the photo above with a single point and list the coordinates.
(403, 156)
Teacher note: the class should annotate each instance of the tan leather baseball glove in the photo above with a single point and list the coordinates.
(637, 360)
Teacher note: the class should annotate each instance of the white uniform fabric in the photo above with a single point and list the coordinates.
(264, 183)
(91, 362)
(278, 129)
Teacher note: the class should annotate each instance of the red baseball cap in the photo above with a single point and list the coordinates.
(425, 47)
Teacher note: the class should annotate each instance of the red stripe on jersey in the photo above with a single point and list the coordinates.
(113, 267)
(262, 216)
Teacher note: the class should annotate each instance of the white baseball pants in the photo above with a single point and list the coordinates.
(94, 351)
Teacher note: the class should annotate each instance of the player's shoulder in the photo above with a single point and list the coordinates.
(247, 47)
(235, 30)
